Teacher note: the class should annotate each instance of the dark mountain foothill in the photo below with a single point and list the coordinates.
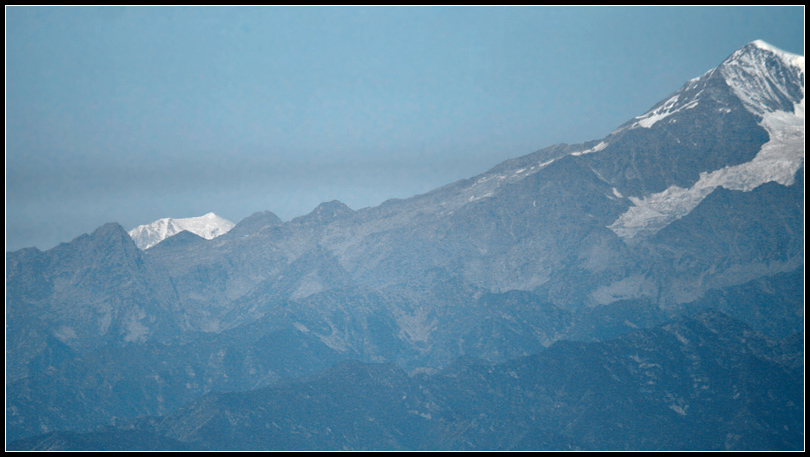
(698, 382)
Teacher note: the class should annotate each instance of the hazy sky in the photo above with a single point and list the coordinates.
(129, 115)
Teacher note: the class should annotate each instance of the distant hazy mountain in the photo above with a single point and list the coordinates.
(208, 226)
(696, 204)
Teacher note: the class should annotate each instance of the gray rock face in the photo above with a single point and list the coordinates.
(697, 203)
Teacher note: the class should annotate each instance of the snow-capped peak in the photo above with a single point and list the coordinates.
(770, 84)
(208, 226)
(766, 79)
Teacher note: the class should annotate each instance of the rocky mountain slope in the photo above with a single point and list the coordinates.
(702, 382)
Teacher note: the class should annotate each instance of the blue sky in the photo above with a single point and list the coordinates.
(129, 115)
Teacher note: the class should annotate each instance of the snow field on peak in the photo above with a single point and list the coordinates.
(787, 57)
(208, 226)
(752, 81)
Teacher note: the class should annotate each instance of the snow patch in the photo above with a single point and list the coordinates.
(682, 339)
(678, 409)
(664, 111)
(597, 148)
(300, 327)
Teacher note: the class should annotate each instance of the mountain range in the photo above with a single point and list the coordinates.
(641, 291)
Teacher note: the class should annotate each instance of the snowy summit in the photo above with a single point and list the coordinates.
(769, 82)
(208, 226)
